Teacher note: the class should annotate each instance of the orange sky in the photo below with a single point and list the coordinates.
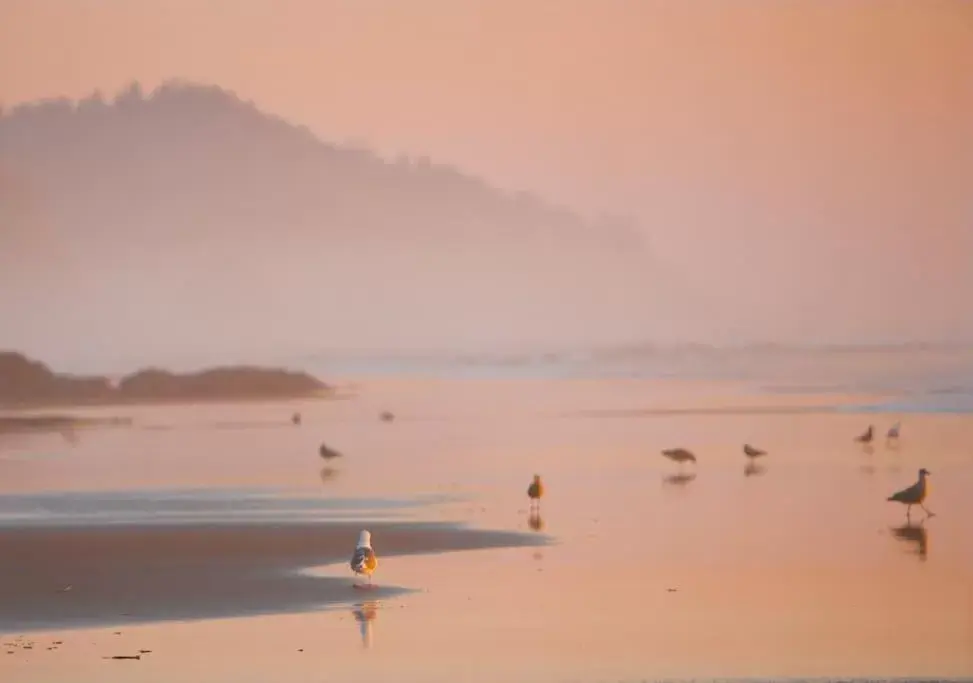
(811, 156)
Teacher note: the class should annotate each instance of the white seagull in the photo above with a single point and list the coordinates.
(363, 561)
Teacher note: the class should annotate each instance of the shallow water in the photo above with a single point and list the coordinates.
(794, 567)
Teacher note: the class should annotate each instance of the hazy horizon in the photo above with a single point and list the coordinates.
(799, 172)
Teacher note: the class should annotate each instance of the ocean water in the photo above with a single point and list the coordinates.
(910, 379)
(196, 505)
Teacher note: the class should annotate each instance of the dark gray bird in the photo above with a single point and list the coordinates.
(914, 495)
(752, 452)
(867, 436)
(680, 455)
(535, 491)
(328, 453)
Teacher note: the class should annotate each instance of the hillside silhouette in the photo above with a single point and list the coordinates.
(27, 382)
(178, 218)
(188, 154)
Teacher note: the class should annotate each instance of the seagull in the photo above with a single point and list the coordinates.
(893, 433)
(679, 455)
(535, 491)
(328, 453)
(752, 452)
(363, 561)
(866, 438)
(914, 495)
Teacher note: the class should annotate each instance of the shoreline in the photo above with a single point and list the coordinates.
(17, 424)
(22, 406)
(135, 574)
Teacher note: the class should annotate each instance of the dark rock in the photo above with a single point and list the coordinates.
(27, 382)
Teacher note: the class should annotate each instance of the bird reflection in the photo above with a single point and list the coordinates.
(915, 534)
(70, 435)
(534, 520)
(752, 469)
(681, 479)
(328, 473)
(365, 613)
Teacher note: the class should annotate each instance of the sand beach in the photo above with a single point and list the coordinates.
(214, 537)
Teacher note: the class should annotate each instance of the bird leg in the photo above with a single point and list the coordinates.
(908, 511)
(928, 512)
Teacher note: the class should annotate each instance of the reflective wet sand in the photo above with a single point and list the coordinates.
(793, 566)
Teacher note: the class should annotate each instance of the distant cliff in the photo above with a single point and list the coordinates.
(30, 383)
(23, 380)
(187, 159)
(186, 218)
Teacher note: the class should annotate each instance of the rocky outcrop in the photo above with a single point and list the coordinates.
(229, 382)
(24, 381)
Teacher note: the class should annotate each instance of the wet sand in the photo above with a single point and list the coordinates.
(795, 566)
(130, 574)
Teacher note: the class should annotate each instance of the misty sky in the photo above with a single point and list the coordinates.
(805, 167)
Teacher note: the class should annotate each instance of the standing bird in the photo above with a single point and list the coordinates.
(867, 437)
(752, 452)
(328, 453)
(680, 455)
(535, 491)
(893, 433)
(363, 561)
(914, 495)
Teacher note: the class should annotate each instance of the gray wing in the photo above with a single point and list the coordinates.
(905, 495)
(359, 559)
